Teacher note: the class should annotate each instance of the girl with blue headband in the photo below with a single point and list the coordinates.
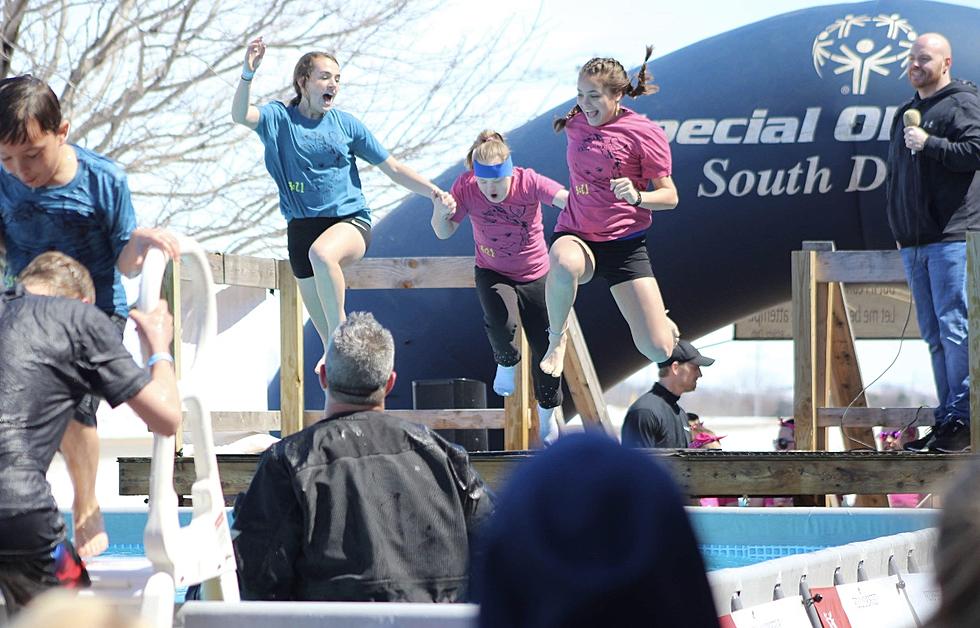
(504, 206)
(311, 148)
(615, 156)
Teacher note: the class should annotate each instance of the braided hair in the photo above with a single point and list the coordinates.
(611, 75)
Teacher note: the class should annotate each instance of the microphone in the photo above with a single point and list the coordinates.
(912, 117)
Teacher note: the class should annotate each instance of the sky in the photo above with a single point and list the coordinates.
(570, 32)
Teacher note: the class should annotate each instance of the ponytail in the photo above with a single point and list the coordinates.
(643, 85)
(559, 124)
(490, 147)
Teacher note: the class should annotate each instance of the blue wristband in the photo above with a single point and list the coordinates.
(247, 74)
(159, 357)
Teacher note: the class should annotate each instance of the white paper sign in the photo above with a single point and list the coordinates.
(876, 603)
(923, 592)
(785, 613)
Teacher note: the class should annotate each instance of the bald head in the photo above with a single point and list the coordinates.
(935, 42)
(930, 59)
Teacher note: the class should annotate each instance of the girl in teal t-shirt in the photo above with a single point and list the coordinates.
(311, 150)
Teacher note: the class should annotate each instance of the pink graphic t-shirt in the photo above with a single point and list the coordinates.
(509, 236)
(628, 146)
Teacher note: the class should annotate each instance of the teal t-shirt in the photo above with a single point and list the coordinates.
(90, 218)
(313, 162)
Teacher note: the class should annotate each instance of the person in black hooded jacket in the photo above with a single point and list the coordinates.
(933, 199)
(361, 506)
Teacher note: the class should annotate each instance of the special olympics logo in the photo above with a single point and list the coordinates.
(860, 45)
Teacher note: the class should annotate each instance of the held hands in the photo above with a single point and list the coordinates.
(443, 203)
(155, 328)
(253, 56)
(624, 190)
(915, 138)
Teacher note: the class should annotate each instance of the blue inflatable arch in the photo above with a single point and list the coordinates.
(778, 132)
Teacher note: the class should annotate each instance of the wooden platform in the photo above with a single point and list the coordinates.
(701, 473)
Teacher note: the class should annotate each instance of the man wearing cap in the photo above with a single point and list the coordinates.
(655, 420)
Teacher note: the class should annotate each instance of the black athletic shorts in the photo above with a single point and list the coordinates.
(25, 577)
(89, 405)
(301, 233)
(617, 261)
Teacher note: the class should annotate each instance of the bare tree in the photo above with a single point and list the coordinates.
(148, 83)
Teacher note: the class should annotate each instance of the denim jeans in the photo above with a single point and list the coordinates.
(937, 277)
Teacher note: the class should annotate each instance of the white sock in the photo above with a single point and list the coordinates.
(548, 425)
(503, 382)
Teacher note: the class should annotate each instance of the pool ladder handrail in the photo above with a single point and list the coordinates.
(200, 552)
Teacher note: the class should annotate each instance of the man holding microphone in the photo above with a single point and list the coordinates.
(933, 199)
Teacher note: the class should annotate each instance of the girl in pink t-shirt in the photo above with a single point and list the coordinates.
(504, 206)
(614, 156)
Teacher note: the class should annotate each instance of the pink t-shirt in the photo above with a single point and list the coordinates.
(629, 146)
(509, 237)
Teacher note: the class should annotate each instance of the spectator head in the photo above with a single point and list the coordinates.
(607, 547)
(55, 274)
(680, 372)
(60, 607)
(786, 439)
(959, 536)
(360, 362)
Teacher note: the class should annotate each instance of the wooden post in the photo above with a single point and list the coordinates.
(170, 292)
(533, 420)
(583, 383)
(821, 372)
(973, 301)
(517, 407)
(847, 385)
(291, 351)
(804, 349)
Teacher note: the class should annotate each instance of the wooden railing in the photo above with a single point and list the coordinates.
(518, 418)
(827, 378)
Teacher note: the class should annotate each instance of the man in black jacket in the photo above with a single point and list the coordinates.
(655, 420)
(933, 195)
(361, 506)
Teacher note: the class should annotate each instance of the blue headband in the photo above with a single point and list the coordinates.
(498, 171)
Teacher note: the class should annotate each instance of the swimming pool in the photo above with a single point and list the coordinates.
(728, 537)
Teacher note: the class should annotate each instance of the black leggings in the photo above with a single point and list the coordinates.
(506, 302)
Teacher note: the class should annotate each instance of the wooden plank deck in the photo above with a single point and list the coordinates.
(701, 473)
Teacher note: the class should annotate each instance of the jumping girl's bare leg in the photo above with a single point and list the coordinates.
(311, 300)
(643, 308)
(572, 264)
(336, 247)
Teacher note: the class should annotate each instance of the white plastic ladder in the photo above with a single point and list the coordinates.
(200, 552)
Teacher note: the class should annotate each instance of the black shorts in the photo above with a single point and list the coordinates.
(617, 261)
(89, 405)
(301, 233)
(23, 578)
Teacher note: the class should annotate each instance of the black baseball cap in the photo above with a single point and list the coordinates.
(685, 352)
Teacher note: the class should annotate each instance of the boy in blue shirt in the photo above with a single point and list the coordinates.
(56, 196)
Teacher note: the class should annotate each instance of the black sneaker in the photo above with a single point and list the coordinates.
(954, 437)
(923, 443)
